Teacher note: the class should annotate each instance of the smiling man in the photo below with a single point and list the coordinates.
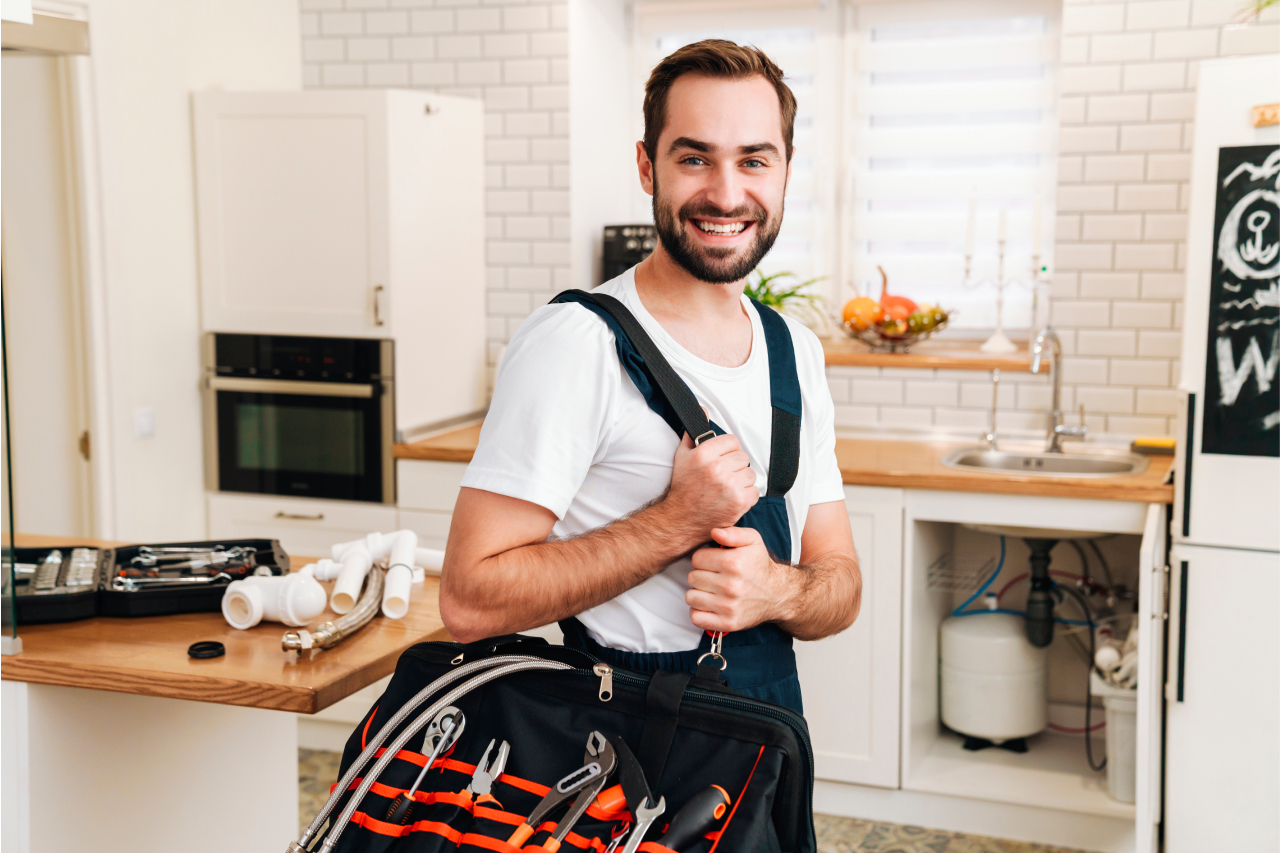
(582, 505)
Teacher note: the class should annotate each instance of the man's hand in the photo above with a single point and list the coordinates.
(737, 586)
(712, 485)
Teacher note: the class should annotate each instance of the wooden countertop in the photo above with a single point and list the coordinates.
(897, 463)
(148, 655)
(928, 355)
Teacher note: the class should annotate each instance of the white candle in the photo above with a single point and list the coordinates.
(973, 214)
(1004, 217)
(1035, 232)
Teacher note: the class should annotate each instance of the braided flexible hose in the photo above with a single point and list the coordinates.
(426, 716)
(331, 633)
(385, 731)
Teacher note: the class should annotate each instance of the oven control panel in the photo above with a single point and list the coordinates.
(300, 358)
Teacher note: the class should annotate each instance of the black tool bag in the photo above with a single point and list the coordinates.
(688, 732)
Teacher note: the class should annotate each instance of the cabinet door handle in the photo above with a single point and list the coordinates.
(377, 305)
(1182, 633)
(298, 516)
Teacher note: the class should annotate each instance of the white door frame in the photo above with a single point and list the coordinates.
(85, 187)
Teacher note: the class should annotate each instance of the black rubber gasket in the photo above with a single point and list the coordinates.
(207, 649)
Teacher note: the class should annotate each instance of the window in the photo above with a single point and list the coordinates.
(910, 113)
(952, 108)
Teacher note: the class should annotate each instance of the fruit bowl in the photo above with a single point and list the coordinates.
(878, 339)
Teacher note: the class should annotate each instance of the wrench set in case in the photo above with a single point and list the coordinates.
(512, 744)
(76, 582)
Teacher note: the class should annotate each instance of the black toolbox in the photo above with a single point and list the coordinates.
(78, 581)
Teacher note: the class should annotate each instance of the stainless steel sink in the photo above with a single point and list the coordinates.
(1046, 464)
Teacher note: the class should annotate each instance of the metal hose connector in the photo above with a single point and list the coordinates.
(385, 731)
(331, 633)
(417, 725)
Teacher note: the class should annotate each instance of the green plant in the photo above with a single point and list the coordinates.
(788, 298)
(1251, 10)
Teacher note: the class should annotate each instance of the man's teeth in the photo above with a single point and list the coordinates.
(728, 229)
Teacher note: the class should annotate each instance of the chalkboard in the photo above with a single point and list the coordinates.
(1241, 392)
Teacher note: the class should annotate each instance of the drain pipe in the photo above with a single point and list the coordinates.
(400, 561)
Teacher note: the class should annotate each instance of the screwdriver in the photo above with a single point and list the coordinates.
(696, 818)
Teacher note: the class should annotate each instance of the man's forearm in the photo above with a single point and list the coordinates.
(827, 594)
(532, 585)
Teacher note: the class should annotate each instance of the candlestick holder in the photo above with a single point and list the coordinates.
(999, 341)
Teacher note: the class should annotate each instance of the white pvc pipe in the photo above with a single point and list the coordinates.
(355, 565)
(322, 570)
(293, 599)
(430, 559)
(395, 594)
(377, 544)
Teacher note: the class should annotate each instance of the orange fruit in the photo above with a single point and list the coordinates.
(897, 307)
(862, 313)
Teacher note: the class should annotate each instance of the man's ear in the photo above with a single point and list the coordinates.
(645, 166)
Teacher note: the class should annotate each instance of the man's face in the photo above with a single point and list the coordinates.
(719, 175)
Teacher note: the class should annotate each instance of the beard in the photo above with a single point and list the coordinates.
(713, 264)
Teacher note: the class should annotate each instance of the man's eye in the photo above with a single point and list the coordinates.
(755, 164)
(693, 161)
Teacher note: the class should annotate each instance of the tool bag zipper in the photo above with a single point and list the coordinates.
(607, 675)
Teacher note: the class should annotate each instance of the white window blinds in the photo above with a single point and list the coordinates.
(952, 100)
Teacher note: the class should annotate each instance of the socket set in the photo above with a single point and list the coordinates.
(76, 582)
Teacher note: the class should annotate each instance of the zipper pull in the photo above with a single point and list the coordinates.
(606, 680)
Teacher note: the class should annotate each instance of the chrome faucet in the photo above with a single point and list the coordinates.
(1057, 430)
(990, 438)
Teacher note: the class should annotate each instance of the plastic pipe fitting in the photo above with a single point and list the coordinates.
(293, 599)
(395, 594)
(322, 570)
(355, 565)
(430, 559)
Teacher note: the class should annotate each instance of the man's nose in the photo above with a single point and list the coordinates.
(725, 189)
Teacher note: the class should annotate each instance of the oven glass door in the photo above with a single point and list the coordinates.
(303, 444)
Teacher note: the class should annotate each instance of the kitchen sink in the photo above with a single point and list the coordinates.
(1046, 464)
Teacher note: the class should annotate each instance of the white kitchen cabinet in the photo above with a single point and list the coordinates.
(851, 680)
(353, 213)
(427, 484)
(305, 528)
(1222, 754)
(432, 527)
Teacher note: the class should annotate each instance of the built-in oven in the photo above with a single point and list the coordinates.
(299, 416)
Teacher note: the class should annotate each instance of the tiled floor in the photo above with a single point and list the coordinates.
(318, 770)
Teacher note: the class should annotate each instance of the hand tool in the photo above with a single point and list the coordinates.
(639, 799)
(121, 584)
(645, 816)
(696, 818)
(613, 845)
(599, 748)
(445, 727)
(591, 773)
(482, 780)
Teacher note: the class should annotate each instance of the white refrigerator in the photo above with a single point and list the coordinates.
(1222, 690)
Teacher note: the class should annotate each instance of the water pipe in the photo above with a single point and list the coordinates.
(293, 599)
(355, 565)
(331, 633)
(400, 561)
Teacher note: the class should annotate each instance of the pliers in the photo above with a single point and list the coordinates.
(598, 762)
(482, 780)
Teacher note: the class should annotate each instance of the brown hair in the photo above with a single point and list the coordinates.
(712, 58)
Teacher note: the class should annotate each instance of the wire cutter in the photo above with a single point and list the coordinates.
(598, 762)
(482, 780)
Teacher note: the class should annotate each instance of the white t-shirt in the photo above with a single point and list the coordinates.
(568, 430)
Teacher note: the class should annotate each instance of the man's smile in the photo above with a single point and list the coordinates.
(722, 231)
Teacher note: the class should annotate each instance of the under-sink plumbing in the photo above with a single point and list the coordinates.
(1057, 429)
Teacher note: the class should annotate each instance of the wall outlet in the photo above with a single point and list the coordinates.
(144, 422)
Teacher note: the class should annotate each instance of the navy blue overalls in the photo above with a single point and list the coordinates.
(759, 661)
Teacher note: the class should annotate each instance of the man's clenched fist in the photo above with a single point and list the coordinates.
(737, 586)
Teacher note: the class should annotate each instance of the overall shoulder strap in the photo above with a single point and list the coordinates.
(784, 397)
(646, 364)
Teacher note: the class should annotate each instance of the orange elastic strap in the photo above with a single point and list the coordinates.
(488, 843)
(364, 735)
(381, 827)
(736, 803)
(534, 788)
(654, 847)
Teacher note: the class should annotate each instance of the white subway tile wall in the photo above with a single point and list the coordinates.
(1128, 72)
(512, 55)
